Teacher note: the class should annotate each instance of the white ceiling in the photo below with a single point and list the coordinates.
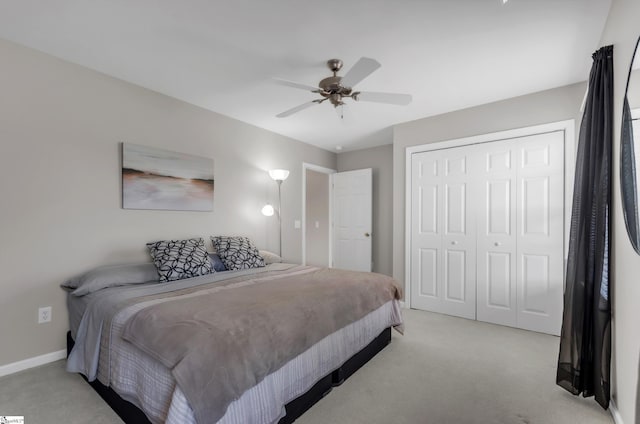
(222, 55)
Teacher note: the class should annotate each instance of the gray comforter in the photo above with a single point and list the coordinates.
(220, 340)
(93, 334)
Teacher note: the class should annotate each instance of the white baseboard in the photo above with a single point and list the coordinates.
(617, 418)
(32, 362)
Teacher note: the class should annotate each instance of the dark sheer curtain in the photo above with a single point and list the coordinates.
(585, 343)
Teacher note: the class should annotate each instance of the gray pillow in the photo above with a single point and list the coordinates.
(180, 259)
(111, 276)
(216, 262)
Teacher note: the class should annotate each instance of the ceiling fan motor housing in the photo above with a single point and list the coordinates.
(333, 90)
(330, 87)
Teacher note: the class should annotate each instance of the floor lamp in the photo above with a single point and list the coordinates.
(278, 175)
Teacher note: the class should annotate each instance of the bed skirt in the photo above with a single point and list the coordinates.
(294, 409)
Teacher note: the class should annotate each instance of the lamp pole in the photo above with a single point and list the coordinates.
(279, 217)
(279, 175)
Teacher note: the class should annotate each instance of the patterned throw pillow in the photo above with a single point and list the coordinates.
(237, 252)
(179, 259)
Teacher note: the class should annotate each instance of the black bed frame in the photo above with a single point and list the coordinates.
(131, 414)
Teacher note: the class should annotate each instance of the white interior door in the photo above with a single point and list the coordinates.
(352, 218)
(459, 235)
(426, 235)
(496, 301)
(443, 241)
(540, 227)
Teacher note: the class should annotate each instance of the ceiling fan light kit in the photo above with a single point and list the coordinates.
(336, 88)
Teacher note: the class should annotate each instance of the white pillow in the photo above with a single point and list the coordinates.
(270, 257)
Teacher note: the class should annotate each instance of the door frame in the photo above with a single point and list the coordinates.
(329, 172)
(567, 126)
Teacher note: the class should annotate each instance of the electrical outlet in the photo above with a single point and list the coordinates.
(44, 314)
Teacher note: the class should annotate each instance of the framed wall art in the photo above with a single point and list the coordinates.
(154, 178)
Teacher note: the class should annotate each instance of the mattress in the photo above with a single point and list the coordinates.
(150, 386)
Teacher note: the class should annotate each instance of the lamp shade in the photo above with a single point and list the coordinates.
(267, 210)
(279, 174)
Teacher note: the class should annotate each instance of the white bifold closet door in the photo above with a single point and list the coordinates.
(443, 263)
(487, 231)
(521, 233)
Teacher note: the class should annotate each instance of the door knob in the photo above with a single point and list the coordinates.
(367, 234)
(497, 243)
(454, 242)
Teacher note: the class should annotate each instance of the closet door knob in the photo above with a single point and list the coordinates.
(367, 234)
(497, 243)
(454, 242)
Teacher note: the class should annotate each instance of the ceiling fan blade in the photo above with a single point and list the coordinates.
(295, 84)
(389, 98)
(362, 69)
(296, 109)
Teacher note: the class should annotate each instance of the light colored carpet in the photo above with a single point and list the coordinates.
(48, 394)
(445, 370)
(448, 370)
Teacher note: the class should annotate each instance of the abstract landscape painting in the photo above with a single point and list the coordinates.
(160, 179)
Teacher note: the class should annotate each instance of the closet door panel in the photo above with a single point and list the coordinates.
(496, 237)
(498, 275)
(443, 249)
(455, 276)
(540, 227)
(498, 203)
(455, 208)
(426, 238)
(455, 256)
(428, 273)
(459, 238)
(535, 206)
(535, 284)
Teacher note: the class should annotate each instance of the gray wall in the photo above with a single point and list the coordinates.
(317, 210)
(534, 109)
(60, 129)
(622, 30)
(633, 93)
(380, 159)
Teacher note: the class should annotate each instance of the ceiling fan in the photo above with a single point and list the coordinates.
(337, 88)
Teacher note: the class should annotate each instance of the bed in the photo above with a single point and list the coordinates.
(123, 338)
